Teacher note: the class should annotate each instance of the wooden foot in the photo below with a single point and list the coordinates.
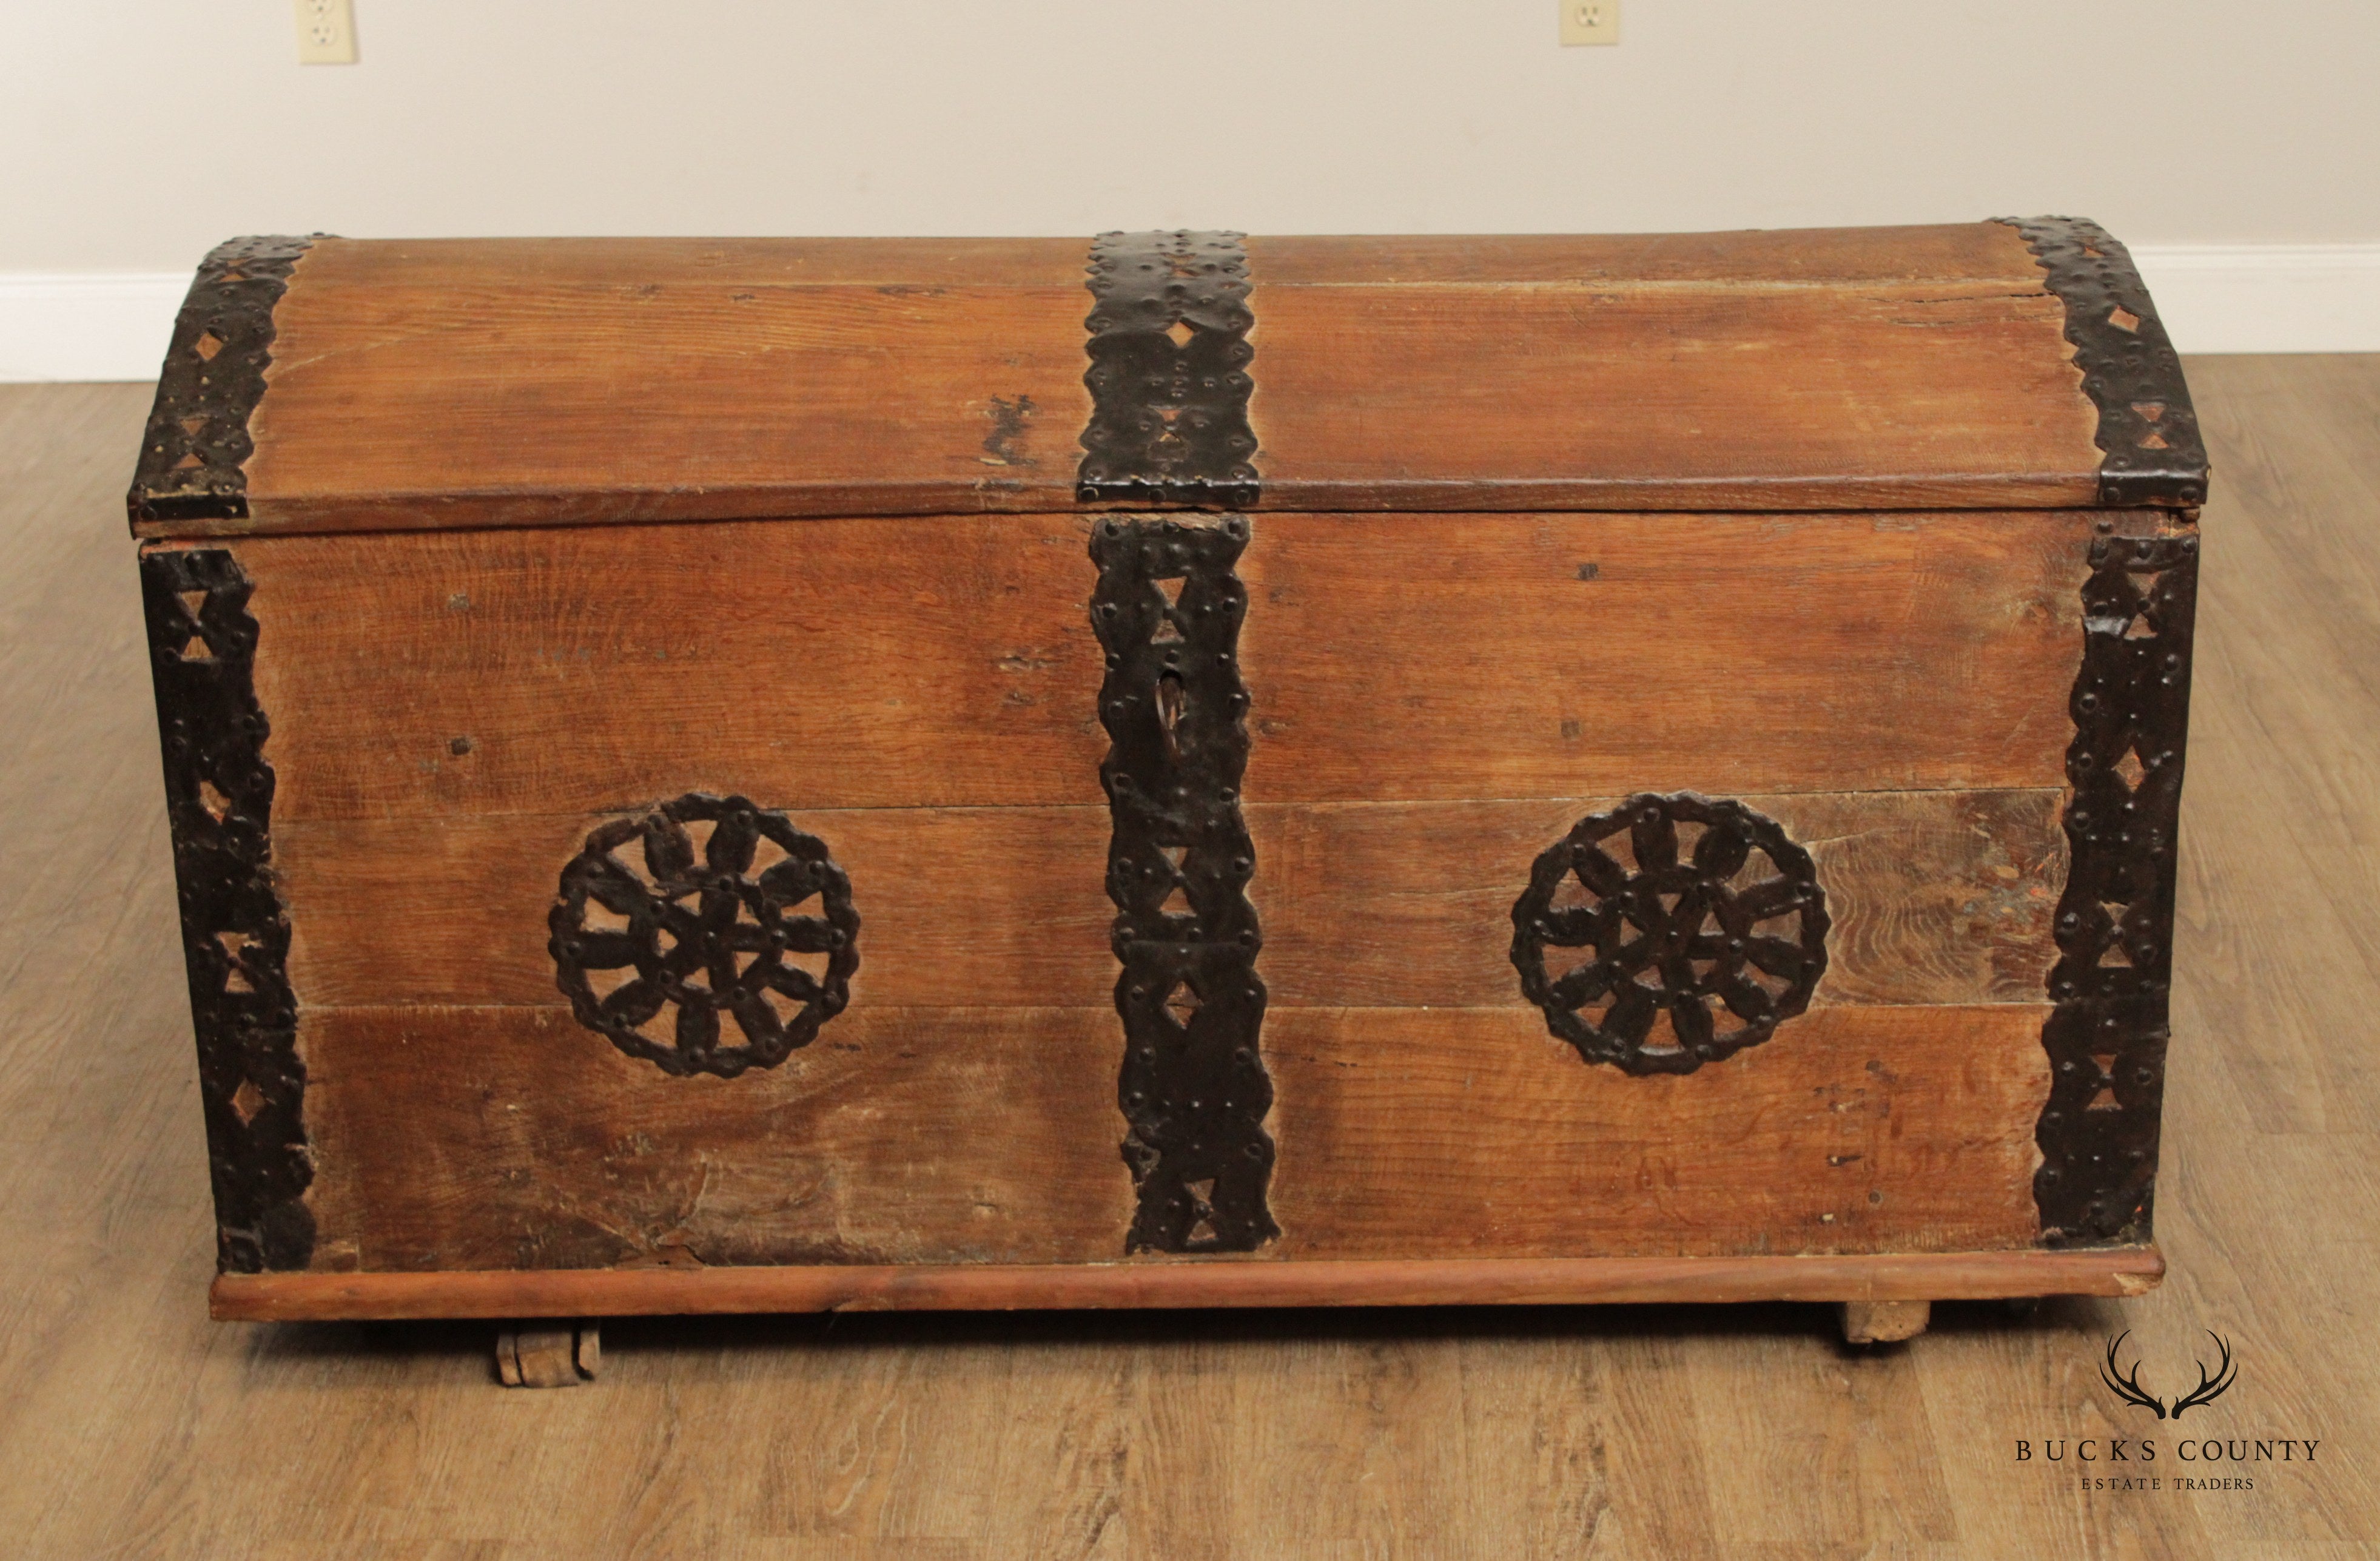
(1885, 1322)
(549, 1355)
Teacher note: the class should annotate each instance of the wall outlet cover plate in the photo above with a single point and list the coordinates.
(1589, 21)
(326, 32)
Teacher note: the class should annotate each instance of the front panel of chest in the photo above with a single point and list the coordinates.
(1086, 888)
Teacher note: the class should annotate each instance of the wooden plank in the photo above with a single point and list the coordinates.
(1935, 897)
(1562, 656)
(1498, 656)
(958, 908)
(441, 383)
(854, 260)
(1954, 253)
(844, 663)
(556, 380)
(288, 1297)
(989, 1135)
(1473, 1133)
(1600, 396)
(505, 1137)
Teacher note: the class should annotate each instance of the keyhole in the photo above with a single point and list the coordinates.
(1169, 714)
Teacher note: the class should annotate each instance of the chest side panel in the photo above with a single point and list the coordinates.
(1432, 705)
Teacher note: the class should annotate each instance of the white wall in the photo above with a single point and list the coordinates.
(138, 132)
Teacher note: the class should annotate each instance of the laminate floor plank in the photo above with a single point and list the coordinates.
(132, 1426)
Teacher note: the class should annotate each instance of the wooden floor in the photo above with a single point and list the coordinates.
(130, 1425)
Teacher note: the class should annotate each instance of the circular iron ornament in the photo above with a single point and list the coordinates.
(1684, 906)
(703, 937)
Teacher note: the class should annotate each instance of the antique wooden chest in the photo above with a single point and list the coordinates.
(1173, 769)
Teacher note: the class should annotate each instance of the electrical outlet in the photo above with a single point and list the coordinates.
(326, 32)
(1590, 21)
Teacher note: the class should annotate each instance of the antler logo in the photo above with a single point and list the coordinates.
(2127, 1388)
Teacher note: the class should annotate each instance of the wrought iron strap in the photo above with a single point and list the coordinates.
(2148, 431)
(2106, 1036)
(1194, 1089)
(1169, 375)
(235, 934)
(192, 457)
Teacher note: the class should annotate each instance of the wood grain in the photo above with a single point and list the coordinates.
(130, 1424)
(845, 663)
(1953, 253)
(1935, 897)
(1473, 1133)
(475, 382)
(431, 383)
(1387, 659)
(1886, 1277)
(989, 1135)
(1550, 655)
(898, 1136)
(959, 907)
(1608, 394)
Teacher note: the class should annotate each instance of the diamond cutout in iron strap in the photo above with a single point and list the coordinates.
(703, 939)
(2152, 452)
(2107, 1037)
(1193, 1086)
(193, 456)
(1624, 924)
(235, 931)
(1169, 376)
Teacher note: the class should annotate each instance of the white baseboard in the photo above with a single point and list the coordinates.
(2266, 297)
(87, 326)
(2213, 298)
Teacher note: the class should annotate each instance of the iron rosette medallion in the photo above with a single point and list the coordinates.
(1670, 931)
(657, 936)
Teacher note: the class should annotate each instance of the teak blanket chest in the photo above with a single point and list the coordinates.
(777, 775)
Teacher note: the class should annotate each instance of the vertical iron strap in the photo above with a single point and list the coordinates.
(1194, 1089)
(2148, 431)
(193, 456)
(235, 933)
(2106, 1036)
(1169, 375)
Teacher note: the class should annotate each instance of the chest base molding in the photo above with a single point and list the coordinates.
(580, 1292)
